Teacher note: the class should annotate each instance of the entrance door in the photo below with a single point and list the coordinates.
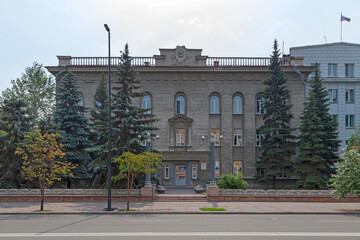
(180, 175)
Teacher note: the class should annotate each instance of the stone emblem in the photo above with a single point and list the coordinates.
(180, 58)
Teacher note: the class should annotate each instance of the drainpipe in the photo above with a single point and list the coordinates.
(63, 69)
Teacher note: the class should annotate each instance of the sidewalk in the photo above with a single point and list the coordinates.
(185, 207)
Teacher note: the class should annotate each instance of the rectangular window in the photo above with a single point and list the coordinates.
(284, 174)
(259, 105)
(166, 171)
(217, 169)
(259, 138)
(334, 117)
(180, 137)
(237, 168)
(349, 95)
(216, 133)
(194, 171)
(349, 70)
(238, 137)
(332, 95)
(349, 121)
(332, 68)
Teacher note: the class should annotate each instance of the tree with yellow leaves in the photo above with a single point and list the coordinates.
(131, 165)
(40, 153)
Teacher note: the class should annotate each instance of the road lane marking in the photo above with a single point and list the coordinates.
(149, 220)
(338, 221)
(186, 234)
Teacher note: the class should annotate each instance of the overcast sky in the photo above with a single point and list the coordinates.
(39, 30)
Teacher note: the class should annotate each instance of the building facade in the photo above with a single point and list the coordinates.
(340, 67)
(195, 96)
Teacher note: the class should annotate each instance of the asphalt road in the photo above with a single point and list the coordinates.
(159, 227)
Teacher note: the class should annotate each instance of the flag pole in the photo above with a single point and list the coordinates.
(341, 27)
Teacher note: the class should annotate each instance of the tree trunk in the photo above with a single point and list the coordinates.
(42, 193)
(128, 194)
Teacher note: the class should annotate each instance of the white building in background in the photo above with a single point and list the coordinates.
(340, 68)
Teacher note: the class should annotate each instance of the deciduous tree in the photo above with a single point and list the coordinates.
(130, 165)
(40, 154)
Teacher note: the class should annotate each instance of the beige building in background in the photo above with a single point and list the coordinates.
(193, 96)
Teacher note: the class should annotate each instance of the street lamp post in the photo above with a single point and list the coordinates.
(109, 125)
(212, 157)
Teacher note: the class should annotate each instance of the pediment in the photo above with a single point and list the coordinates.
(180, 117)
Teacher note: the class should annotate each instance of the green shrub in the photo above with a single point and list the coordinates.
(229, 181)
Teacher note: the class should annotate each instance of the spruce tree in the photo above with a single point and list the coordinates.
(73, 126)
(318, 140)
(128, 120)
(278, 143)
(99, 125)
(14, 123)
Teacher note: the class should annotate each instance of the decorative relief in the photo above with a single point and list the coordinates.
(180, 57)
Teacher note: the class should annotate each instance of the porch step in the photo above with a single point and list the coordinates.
(179, 198)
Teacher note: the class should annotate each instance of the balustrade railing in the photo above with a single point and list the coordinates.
(103, 61)
(238, 61)
(150, 61)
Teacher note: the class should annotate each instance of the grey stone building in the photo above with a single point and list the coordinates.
(193, 96)
(340, 67)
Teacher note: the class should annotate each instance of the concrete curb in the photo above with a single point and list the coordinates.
(178, 213)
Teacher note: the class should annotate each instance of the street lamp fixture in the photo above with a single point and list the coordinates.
(109, 125)
(212, 157)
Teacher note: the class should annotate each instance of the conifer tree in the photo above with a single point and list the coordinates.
(278, 143)
(99, 125)
(318, 140)
(73, 126)
(128, 120)
(14, 124)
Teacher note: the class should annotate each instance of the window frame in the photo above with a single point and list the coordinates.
(349, 96)
(147, 103)
(236, 135)
(260, 105)
(331, 95)
(167, 173)
(214, 104)
(332, 70)
(237, 105)
(349, 120)
(181, 105)
(237, 167)
(349, 69)
(258, 139)
(181, 138)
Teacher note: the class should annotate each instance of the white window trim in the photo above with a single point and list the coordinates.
(167, 176)
(235, 136)
(331, 93)
(349, 68)
(332, 70)
(181, 137)
(349, 95)
(259, 105)
(237, 105)
(348, 117)
(214, 101)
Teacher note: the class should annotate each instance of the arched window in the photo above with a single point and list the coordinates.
(214, 105)
(180, 105)
(146, 103)
(260, 105)
(237, 105)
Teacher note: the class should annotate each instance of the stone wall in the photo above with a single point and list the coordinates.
(56, 192)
